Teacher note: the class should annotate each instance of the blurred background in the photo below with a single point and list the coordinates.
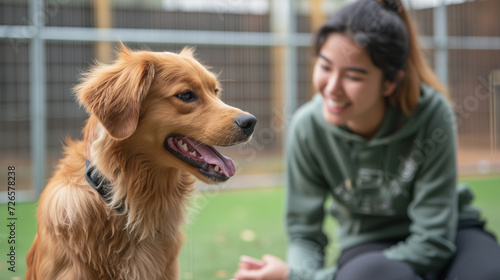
(262, 48)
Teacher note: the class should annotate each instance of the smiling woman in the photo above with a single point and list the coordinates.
(352, 87)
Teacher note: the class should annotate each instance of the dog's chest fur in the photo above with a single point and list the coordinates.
(107, 242)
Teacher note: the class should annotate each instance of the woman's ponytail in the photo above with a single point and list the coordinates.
(417, 70)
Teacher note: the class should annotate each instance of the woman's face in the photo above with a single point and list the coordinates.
(352, 87)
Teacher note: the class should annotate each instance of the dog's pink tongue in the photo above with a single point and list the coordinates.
(212, 156)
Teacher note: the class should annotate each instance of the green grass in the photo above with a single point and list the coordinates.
(487, 198)
(24, 234)
(225, 226)
(228, 225)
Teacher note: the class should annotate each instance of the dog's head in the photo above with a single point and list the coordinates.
(165, 107)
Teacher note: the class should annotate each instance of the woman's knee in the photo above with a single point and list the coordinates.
(486, 272)
(373, 266)
(478, 255)
(491, 273)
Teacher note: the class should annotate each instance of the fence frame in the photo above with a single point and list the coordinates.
(38, 34)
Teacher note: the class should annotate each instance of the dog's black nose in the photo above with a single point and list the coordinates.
(246, 122)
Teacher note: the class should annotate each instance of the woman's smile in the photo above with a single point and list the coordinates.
(336, 107)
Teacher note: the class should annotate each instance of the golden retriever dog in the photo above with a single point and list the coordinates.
(115, 204)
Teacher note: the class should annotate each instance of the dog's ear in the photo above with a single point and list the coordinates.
(114, 93)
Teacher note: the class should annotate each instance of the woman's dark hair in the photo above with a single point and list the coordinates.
(384, 29)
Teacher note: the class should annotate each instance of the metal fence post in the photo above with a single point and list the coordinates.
(37, 96)
(283, 27)
(291, 62)
(441, 41)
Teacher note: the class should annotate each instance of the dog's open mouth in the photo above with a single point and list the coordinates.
(209, 161)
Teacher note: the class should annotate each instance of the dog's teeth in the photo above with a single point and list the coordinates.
(193, 153)
(217, 168)
(179, 143)
(201, 157)
(184, 147)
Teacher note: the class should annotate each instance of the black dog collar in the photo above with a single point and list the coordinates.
(99, 183)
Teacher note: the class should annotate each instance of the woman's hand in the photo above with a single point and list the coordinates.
(270, 268)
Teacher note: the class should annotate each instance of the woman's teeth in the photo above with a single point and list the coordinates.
(334, 104)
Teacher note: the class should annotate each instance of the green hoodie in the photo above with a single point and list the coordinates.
(400, 184)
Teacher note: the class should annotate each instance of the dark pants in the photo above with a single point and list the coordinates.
(477, 258)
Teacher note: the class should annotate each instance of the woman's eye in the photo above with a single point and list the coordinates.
(325, 68)
(187, 96)
(353, 78)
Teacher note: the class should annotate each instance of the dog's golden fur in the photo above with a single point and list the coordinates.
(134, 105)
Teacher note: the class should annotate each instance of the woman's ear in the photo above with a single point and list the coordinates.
(114, 93)
(390, 86)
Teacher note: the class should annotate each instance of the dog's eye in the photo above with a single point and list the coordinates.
(187, 96)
